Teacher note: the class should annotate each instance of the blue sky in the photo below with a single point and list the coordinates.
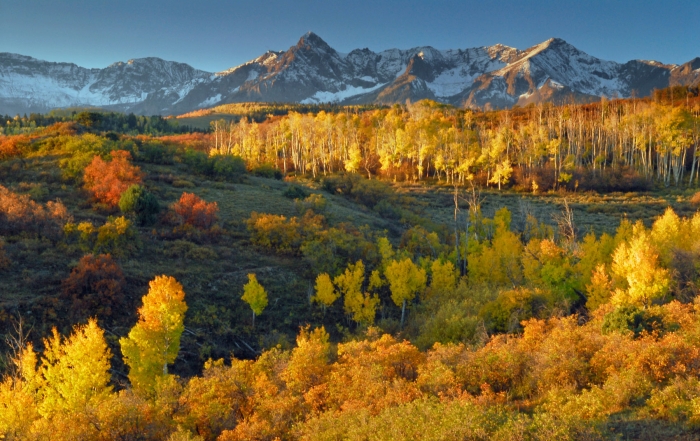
(215, 35)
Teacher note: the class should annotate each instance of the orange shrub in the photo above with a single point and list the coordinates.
(695, 199)
(108, 180)
(19, 213)
(95, 286)
(193, 210)
(68, 128)
(197, 141)
(275, 231)
(11, 146)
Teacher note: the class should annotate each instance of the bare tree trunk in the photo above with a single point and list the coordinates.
(403, 312)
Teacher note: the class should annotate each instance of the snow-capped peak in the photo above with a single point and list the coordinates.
(312, 71)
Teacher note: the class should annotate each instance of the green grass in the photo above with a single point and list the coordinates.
(592, 212)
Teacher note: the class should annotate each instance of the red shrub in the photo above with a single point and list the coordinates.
(195, 211)
(95, 287)
(108, 180)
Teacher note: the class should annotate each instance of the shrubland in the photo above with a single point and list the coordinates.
(303, 300)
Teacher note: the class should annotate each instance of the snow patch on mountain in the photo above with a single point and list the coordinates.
(336, 97)
(451, 81)
(210, 101)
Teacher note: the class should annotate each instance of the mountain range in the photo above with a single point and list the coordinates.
(313, 72)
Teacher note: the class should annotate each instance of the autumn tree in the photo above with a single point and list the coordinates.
(193, 210)
(500, 262)
(637, 263)
(308, 364)
(405, 281)
(600, 288)
(502, 173)
(326, 294)
(19, 393)
(75, 370)
(154, 342)
(107, 180)
(443, 276)
(361, 305)
(255, 296)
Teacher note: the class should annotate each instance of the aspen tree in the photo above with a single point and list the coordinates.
(154, 342)
(637, 263)
(326, 294)
(75, 370)
(443, 276)
(254, 295)
(361, 305)
(405, 281)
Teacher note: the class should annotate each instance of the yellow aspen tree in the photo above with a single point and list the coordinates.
(444, 276)
(326, 294)
(385, 250)
(666, 233)
(600, 288)
(361, 305)
(354, 160)
(255, 296)
(405, 281)
(308, 364)
(18, 396)
(153, 343)
(637, 263)
(75, 370)
(502, 173)
(376, 281)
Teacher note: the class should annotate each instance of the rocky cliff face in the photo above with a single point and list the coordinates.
(313, 72)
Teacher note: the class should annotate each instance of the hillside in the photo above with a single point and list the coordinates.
(545, 310)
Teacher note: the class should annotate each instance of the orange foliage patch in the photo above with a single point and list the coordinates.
(69, 128)
(196, 141)
(193, 210)
(108, 180)
(19, 213)
(11, 146)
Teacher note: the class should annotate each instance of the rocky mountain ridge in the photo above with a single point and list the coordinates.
(313, 72)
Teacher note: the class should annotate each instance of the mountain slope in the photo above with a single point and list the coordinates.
(140, 85)
(311, 71)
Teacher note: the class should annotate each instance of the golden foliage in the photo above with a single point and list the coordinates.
(154, 341)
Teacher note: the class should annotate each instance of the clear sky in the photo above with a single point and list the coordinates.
(215, 35)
